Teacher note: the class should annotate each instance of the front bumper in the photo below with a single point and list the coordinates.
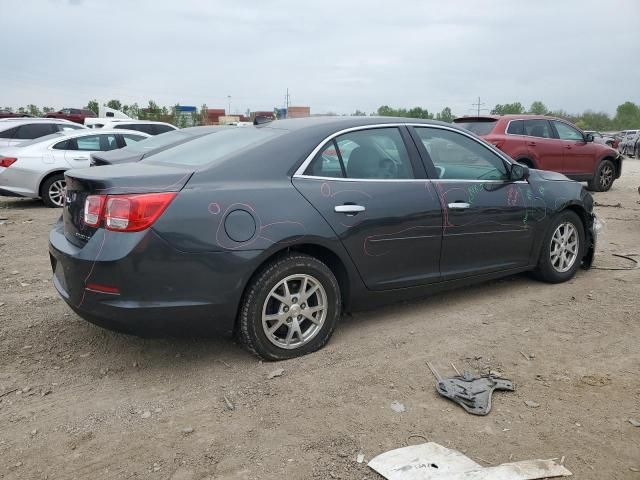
(160, 290)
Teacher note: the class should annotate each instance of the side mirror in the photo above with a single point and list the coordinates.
(518, 172)
(588, 137)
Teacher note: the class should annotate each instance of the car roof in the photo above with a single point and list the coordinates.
(35, 120)
(322, 123)
(126, 120)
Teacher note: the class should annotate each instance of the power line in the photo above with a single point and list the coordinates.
(478, 105)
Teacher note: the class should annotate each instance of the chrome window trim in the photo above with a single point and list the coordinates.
(299, 173)
(525, 135)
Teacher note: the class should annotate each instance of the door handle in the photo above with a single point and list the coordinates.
(531, 144)
(349, 209)
(568, 147)
(459, 205)
(81, 158)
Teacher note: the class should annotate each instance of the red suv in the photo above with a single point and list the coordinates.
(549, 143)
(73, 114)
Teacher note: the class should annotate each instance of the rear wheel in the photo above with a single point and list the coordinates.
(290, 309)
(52, 191)
(604, 177)
(562, 249)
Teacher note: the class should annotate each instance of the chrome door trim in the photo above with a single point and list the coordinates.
(299, 173)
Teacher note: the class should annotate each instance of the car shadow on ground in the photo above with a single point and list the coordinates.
(11, 203)
(162, 351)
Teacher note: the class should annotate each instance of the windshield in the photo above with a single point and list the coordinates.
(211, 149)
(479, 127)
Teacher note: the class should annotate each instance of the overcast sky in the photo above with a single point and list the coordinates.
(333, 55)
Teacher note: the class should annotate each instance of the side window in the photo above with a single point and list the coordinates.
(130, 138)
(537, 128)
(516, 127)
(378, 153)
(34, 130)
(10, 133)
(124, 126)
(162, 129)
(64, 145)
(458, 157)
(566, 132)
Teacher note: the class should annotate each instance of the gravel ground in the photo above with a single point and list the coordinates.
(95, 404)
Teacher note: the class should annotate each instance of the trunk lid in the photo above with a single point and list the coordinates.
(113, 180)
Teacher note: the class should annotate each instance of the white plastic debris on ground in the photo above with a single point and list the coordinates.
(431, 461)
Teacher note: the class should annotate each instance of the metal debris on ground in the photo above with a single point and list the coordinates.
(470, 392)
(431, 461)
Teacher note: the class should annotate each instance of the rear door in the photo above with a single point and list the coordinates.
(79, 149)
(579, 156)
(545, 150)
(486, 225)
(370, 186)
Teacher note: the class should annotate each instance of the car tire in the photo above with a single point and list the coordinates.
(558, 262)
(274, 323)
(52, 191)
(604, 177)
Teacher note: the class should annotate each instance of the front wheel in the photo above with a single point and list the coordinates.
(604, 177)
(290, 308)
(562, 249)
(53, 191)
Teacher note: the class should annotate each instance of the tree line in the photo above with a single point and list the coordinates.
(627, 115)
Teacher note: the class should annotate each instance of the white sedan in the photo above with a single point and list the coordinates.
(36, 168)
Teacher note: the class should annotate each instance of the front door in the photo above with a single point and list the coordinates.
(79, 149)
(486, 224)
(579, 156)
(369, 185)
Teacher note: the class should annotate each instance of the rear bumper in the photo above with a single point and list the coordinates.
(160, 290)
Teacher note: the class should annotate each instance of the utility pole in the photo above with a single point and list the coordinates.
(229, 99)
(478, 105)
(286, 99)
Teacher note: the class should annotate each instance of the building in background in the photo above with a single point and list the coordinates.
(186, 116)
(298, 112)
(213, 116)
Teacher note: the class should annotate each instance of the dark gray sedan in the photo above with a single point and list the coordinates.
(271, 232)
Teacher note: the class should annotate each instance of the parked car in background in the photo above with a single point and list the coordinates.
(76, 115)
(251, 230)
(9, 114)
(633, 146)
(627, 143)
(153, 145)
(35, 168)
(146, 126)
(17, 130)
(603, 139)
(548, 143)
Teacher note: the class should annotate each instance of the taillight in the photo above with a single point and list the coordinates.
(497, 143)
(6, 162)
(93, 210)
(126, 213)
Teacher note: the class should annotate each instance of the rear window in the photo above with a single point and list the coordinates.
(211, 149)
(480, 126)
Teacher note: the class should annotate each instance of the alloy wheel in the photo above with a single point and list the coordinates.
(294, 311)
(565, 244)
(606, 176)
(56, 193)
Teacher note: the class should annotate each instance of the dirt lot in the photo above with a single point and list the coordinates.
(96, 404)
